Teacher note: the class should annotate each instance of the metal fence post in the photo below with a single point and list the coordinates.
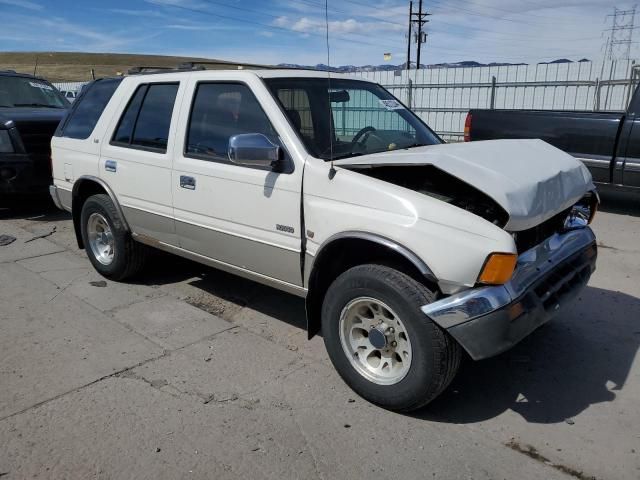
(596, 96)
(409, 93)
(492, 102)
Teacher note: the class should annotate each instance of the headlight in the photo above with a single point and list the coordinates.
(582, 213)
(5, 142)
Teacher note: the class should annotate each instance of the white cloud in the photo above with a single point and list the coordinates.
(24, 4)
(338, 27)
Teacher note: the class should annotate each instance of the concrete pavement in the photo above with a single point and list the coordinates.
(193, 373)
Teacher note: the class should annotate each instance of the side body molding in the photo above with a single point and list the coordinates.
(77, 186)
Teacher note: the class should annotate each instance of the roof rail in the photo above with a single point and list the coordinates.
(150, 69)
(8, 71)
(201, 65)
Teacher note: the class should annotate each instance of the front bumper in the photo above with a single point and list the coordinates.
(489, 320)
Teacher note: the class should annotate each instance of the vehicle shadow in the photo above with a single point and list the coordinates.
(36, 208)
(224, 293)
(580, 358)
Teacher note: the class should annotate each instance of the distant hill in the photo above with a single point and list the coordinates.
(402, 66)
(71, 66)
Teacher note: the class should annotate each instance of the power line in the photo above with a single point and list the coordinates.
(420, 19)
(621, 36)
(282, 28)
(252, 22)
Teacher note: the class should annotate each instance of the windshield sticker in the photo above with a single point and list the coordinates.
(391, 104)
(41, 86)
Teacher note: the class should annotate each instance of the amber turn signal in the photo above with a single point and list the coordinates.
(498, 268)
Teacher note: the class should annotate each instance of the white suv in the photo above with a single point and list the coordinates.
(408, 251)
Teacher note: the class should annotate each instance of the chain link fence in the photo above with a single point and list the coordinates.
(443, 96)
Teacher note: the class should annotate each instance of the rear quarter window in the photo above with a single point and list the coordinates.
(88, 108)
(146, 120)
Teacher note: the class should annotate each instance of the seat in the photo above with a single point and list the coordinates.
(294, 118)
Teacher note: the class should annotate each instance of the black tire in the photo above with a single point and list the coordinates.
(435, 355)
(129, 256)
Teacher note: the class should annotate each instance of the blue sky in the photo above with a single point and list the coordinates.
(292, 31)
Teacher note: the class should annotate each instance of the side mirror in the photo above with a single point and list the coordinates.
(253, 150)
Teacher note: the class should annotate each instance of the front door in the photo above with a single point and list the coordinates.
(247, 218)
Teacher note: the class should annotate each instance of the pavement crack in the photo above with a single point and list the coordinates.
(33, 256)
(117, 373)
(44, 235)
(531, 452)
(316, 467)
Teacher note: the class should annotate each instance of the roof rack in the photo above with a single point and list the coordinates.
(201, 65)
(148, 69)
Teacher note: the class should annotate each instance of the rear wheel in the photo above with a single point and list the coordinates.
(109, 246)
(380, 342)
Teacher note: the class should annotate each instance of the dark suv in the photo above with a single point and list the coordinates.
(30, 110)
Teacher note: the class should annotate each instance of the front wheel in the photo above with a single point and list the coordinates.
(380, 342)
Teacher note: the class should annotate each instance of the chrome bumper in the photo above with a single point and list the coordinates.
(489, 320)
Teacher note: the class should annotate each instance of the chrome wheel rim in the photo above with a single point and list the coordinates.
(101, 239)
(375, 341)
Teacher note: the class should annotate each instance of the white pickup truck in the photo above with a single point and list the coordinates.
(409, 252)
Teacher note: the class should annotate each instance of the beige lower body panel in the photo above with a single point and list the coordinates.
(264, 263)
(247, 254)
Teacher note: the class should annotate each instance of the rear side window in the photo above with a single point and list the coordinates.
(88, 107)
(146, 120)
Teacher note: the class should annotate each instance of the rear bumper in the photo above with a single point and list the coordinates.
(61, 197)
(24, 174)
(489, 320)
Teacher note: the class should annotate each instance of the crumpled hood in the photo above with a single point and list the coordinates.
(530, 179)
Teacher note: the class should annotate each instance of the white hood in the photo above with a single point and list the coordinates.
(530, 179)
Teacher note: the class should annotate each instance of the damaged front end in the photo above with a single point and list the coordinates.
(544, 202)
(432, 181)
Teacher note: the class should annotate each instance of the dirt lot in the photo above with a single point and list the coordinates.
(193, 373)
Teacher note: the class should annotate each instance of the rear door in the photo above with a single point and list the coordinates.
(136, 156)
(247, 219)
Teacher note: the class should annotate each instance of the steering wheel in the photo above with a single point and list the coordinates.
(362, 132)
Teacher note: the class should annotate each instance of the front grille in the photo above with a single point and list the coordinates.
(527, 239)
(37, 138)
(569, 275)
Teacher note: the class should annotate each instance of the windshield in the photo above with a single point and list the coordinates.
(29, 92)
(364, 117)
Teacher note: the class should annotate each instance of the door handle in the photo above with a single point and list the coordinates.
(110, 165)
(187, 182)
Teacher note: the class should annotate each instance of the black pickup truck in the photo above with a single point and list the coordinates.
(607, 142)
(30, 110)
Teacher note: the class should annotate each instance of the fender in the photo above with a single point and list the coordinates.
(417, 262)
(315, 291)
(75, 193)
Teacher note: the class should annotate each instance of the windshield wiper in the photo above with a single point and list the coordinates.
(45, 105)
(413, 145)
(347, 155)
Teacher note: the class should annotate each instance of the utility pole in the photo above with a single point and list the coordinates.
(420, 18)
(409, 36)
(621, 36)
